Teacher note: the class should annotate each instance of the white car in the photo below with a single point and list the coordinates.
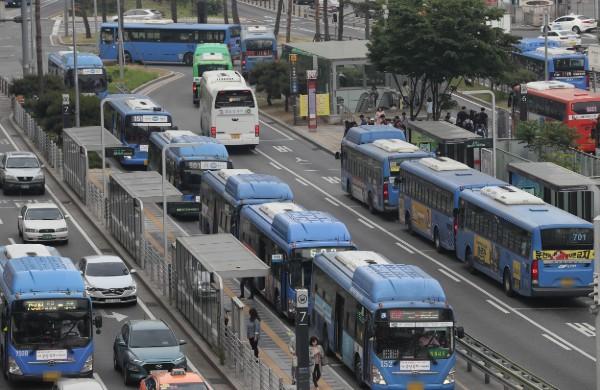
(77, 384)
(566, 38)
(572, 22)
(108, 280)
(139, 14)
(42, 222)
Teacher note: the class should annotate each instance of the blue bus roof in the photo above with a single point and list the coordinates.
(258, 186)
(368, 133)
(385, 284)
(84, 60)
(33, 276)
(134, 104)
(171, 26)
(379, 154)
(451, 180)
(208, 148)
(529, 44)
(540, 56)
(302, 228)
(528, 217)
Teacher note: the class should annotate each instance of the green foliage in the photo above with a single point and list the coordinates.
(550, 140)
(272, 78)
(438, 41)
(47, 111)
(134, 77)
(515, 75)
(29, 85)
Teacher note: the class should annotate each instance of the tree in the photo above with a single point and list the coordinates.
(234, 12)
(138, 4)
(317, 22)
(86, 23)
(550, 140)
(340, 31)
(273, 79)
(288, 27)
(326, 20)
(38, 45)
(225, 15)
(453, 42)
(173, 10)
(278, 18)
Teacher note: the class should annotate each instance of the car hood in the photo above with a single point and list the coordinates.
(23, 171)
(109, 281)
(157, 354)
(48, 224)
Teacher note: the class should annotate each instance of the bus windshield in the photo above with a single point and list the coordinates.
(51, 329)
(568, 64)
(138, 133)
(241, 98)
(567, 238)
(206, 67)
(405, 341)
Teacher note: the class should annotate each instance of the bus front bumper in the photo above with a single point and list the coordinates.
(560, 292)
(404, 386)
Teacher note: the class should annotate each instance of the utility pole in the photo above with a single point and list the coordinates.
(75, 70)
(66, 19)
(594, 294)
(121, 53)
(288, 27)
(340, 32)
(32, 28)
(25, 37)
(317, 21)
(38, 45)
(546, 76)
(96, 17)
(326, 19)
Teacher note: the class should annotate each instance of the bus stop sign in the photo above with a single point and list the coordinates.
(119, 151)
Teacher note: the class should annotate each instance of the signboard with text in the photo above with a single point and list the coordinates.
(311, 81)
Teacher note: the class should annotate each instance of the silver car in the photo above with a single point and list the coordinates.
(139, 14)
(21, 171)
(108, 280)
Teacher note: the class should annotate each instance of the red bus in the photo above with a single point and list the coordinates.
(557, 100)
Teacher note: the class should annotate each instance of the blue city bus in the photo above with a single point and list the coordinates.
(92, 76)
(46, 322)
(563, 65)
(287, 237)
(184, 166)
(167, 42)
(389, 323)
(224, 192)
(257, 44)
(430, 191)
(370, 164)
(531, 247)
(132, 119)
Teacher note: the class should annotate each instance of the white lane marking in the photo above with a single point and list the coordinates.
(563, 346)
(405, 247)
(333, 202)
(311, 170)
(99, 380)
(274, 165)
(151, 88)
(282, 148)
(332, 179)
(583, 328)
(18, 205)
(277, 130)
(146, 310)
(503, 310)
(301, 181)
(449, 275)
(11, 240)
(1, 221)
(367, 224)
(442, 265)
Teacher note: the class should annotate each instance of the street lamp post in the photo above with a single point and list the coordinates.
(75, 70)
(494, 125)
(103, 147)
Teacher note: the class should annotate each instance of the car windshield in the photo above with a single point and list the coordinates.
(49, 214)
(114, 268)
(149, 338)
(22, 162)
(51, 330)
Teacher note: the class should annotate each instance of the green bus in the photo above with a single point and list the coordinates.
(209, 56)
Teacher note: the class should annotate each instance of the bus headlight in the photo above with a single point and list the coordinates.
(13, 367)
(450, 378)
(88, 365)
(376, 376)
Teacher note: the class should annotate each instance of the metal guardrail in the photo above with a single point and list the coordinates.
(498, 367)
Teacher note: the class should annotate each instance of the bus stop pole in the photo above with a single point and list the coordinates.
(75, 70)
(103, 147)
(302, 344)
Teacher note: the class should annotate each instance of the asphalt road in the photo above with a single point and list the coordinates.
(547, 336)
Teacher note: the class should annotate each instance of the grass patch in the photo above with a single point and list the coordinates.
(501, 97)
(135, 75)
(81, 39)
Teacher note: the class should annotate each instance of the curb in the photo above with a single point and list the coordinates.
(298, 133)
(196, 339)
(156, 80)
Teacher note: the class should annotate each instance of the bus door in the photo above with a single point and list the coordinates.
(108, 46)
(339, 323)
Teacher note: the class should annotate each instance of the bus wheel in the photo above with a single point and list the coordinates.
(358, 370)
(469, 258)
(188, 59)
(507, 283)
(408, 223)
(127, 58)
(436, 240)
(370, 203)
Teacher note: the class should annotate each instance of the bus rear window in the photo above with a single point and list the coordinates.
(242, 98)
(259, 47)
(567, 238)
(206, 67)
(586, 108)
(565, 64)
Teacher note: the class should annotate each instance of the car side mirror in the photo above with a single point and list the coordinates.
(67, 216)
(182, 342)
(132, 271)
(337, 155)
(460, 332)
(98, 321)
(20, 217)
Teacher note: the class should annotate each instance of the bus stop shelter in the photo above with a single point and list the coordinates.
(448, 140)
(557, 186)
(127, 194)
(77, 143)
(202, 264)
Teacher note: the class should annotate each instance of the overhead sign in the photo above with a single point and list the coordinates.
(481, 143)
(119, 151)
(311, 74)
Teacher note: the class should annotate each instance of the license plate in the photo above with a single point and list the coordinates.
(112, 300)
(567, 282)
(415, 386)
(51, 376)
(235, 136)
(51, 354)
(47, 237)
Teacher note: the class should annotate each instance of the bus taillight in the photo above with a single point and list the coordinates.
(455, 226)
(194, 88)
(535, 272)
(386, 192)
(257, 130)
(213, 132)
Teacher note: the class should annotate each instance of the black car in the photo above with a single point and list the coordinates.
(15, 3)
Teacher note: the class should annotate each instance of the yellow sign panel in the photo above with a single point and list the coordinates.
(293, 58)
(556, 256)
(421, 215)
(516, 274)
(483, 250)
(322, 105)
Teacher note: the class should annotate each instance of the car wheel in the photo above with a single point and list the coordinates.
(115, 363)
(370, 203)
(188, 59)
(576, 30)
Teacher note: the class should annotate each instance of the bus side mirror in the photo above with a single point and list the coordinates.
(460, 332)
(337, 155)
(98, 322)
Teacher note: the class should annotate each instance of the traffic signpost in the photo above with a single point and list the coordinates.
(293, 58)
(303, 374)
(66, 110)
(311, 81)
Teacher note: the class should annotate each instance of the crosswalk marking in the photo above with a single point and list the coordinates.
(584, 328)
(332, 179)
(282, 149)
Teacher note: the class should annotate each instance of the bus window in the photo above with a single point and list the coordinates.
(107, 35)
(259, 47)
(568, 64)
(234, 99)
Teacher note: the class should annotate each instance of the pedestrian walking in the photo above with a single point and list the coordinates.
(429, 108)
(482, 118)
(253, 330)
(292, 348)
(347, 126)
(316, 360)
(243, 283)
(448, 117)
(461, 116)
(373, 97)
(378, 115)
(363, 120)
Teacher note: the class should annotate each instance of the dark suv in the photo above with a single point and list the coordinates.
(146, 345)
(21, 171)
